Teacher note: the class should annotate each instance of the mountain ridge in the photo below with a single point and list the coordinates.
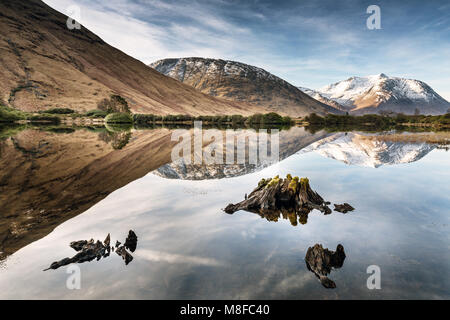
(240, 82)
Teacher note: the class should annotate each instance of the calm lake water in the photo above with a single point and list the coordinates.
(66, 186)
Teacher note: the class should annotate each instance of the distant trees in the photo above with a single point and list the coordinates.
(417, 112)
(379, 121)
(115, 104)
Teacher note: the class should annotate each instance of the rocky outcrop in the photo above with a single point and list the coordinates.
(321, 261)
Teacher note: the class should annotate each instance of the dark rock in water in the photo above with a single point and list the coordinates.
(90, 250)
(107, 241)
(78, 245)
(344, 208)
(126, 256)
(290, 197)
(321, 261)
(131, 241)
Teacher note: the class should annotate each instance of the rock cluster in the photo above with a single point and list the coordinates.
(90, 250)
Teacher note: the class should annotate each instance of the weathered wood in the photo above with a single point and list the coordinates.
(272, 195)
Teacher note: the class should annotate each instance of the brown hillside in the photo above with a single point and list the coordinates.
(43, 64)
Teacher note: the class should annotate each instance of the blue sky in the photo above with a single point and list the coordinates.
(308, 43)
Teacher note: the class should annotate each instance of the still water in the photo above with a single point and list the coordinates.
(61, 187)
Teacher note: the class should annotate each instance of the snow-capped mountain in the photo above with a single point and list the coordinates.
(373, 94)
(319, 97)
(237, 81)
(368, 151)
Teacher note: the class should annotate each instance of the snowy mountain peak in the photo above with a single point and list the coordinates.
(375, 93)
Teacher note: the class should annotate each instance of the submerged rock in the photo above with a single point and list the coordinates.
(321, 261)
(78, 245)
(344, 208)
(126, 256)
(107, 241)
(131, 241)
(90, 250)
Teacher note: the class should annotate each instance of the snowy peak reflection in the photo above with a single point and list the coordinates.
(370, 150)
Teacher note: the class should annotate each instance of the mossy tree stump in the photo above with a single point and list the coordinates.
(277, 194)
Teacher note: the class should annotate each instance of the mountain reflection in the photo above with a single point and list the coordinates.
(370, 150)
(50, 175)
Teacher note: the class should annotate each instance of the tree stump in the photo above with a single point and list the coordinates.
(277, 195)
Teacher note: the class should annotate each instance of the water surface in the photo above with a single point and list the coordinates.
(57, 188)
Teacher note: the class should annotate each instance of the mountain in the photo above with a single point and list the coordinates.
(240, 82)
(319, 97)
(43, 64)
(374, 94)
(368, 151)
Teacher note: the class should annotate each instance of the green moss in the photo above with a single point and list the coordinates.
(263, 182)
(304, 183)
(293, 218)
(293, 185)
(273, 181)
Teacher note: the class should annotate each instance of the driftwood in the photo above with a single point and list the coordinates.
(90, 250)
(321, 261)
(291, 198)
(275, 195)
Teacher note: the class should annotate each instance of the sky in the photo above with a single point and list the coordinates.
(307, 43)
